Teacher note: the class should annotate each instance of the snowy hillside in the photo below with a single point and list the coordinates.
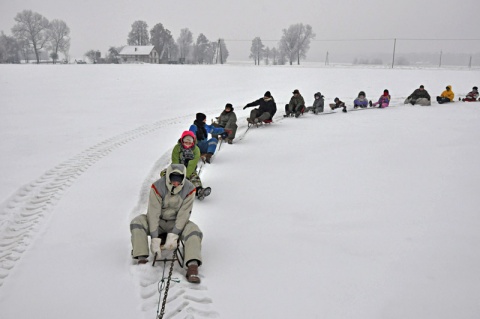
(369, 214)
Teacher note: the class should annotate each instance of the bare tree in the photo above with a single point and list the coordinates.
(202, 49)
(256, 50)
(59, 39)
(161, 39)
(274, 54)
(9, 49)
(112, 56)
(93, 55)
(184, 43)
(31, 27)
(139, 34)
(295, 41)
(267, 54)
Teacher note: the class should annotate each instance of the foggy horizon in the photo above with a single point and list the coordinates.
(342, 28)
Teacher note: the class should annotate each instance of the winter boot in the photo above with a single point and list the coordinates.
(142, 260)
(208, 158)
(192, 274)
(370, 103)
(249, 120)
(203, 192)
(230, 141)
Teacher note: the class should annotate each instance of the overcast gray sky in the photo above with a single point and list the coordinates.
(99, 24)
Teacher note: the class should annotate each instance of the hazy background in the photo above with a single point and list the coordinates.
(97, 25)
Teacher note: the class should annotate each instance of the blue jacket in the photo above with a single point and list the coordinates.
(209, 128)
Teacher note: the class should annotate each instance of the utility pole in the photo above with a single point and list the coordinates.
(326, 59)
(394, 45)
(440, 64)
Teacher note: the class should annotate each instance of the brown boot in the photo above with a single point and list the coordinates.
(192, 274)
(230, 141)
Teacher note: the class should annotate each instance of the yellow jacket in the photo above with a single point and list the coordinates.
(448, 93)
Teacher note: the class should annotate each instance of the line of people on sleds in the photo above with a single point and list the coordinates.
(420, 96)
(170, 203)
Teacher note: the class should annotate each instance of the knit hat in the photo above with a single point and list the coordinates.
(421, 86)
(475, 88)
(267, 94)
(296, 92)
(385, 91)
(229, 106)
(201, 117)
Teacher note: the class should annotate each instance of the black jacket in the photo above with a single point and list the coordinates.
(264, 106)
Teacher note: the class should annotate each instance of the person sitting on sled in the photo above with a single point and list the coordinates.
(266, 110)
(420, 96)
(361, 101)
(472, 96)
(383, 101)
(296, 105)
(338, 104)
(318, 103)
(188, 154)
(170, 204)
(446, 96)
(201, 130)
(228, 121)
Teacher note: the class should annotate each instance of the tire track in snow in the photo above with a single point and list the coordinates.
(26, 211)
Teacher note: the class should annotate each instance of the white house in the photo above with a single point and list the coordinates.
(139, 53)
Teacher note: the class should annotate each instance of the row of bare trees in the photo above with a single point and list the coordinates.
(33, 33)
(293, 45)
(184, 49)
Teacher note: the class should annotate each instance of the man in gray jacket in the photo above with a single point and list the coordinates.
(169, 207)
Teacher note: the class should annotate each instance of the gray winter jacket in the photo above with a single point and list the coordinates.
(227, 120)
(170, 203)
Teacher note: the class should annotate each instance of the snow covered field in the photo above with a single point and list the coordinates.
(368, 214)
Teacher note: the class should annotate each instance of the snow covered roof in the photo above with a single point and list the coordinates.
(136, 50)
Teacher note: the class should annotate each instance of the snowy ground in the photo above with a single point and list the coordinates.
(369, 214)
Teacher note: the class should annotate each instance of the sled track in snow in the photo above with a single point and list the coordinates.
(24, 213)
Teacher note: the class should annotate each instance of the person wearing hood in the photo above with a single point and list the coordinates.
(167, 220)
(318, 103)
(446, 96)
(420, 96)
(383, 101)
(228, 120)
(296, 105)
(201, 130)
(266, 110)
(186, 152)
(361, 101)
(472, 96)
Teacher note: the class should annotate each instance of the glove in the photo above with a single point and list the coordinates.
(245, 107)
(155, 246)
(224, 135)
(171, 242)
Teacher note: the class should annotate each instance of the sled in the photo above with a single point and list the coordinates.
(260, 123)
(178, 255)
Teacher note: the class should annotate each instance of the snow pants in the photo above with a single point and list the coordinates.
(262, 117)
(191, 237)
(442, 100)
(293, 109)
(208, 146)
